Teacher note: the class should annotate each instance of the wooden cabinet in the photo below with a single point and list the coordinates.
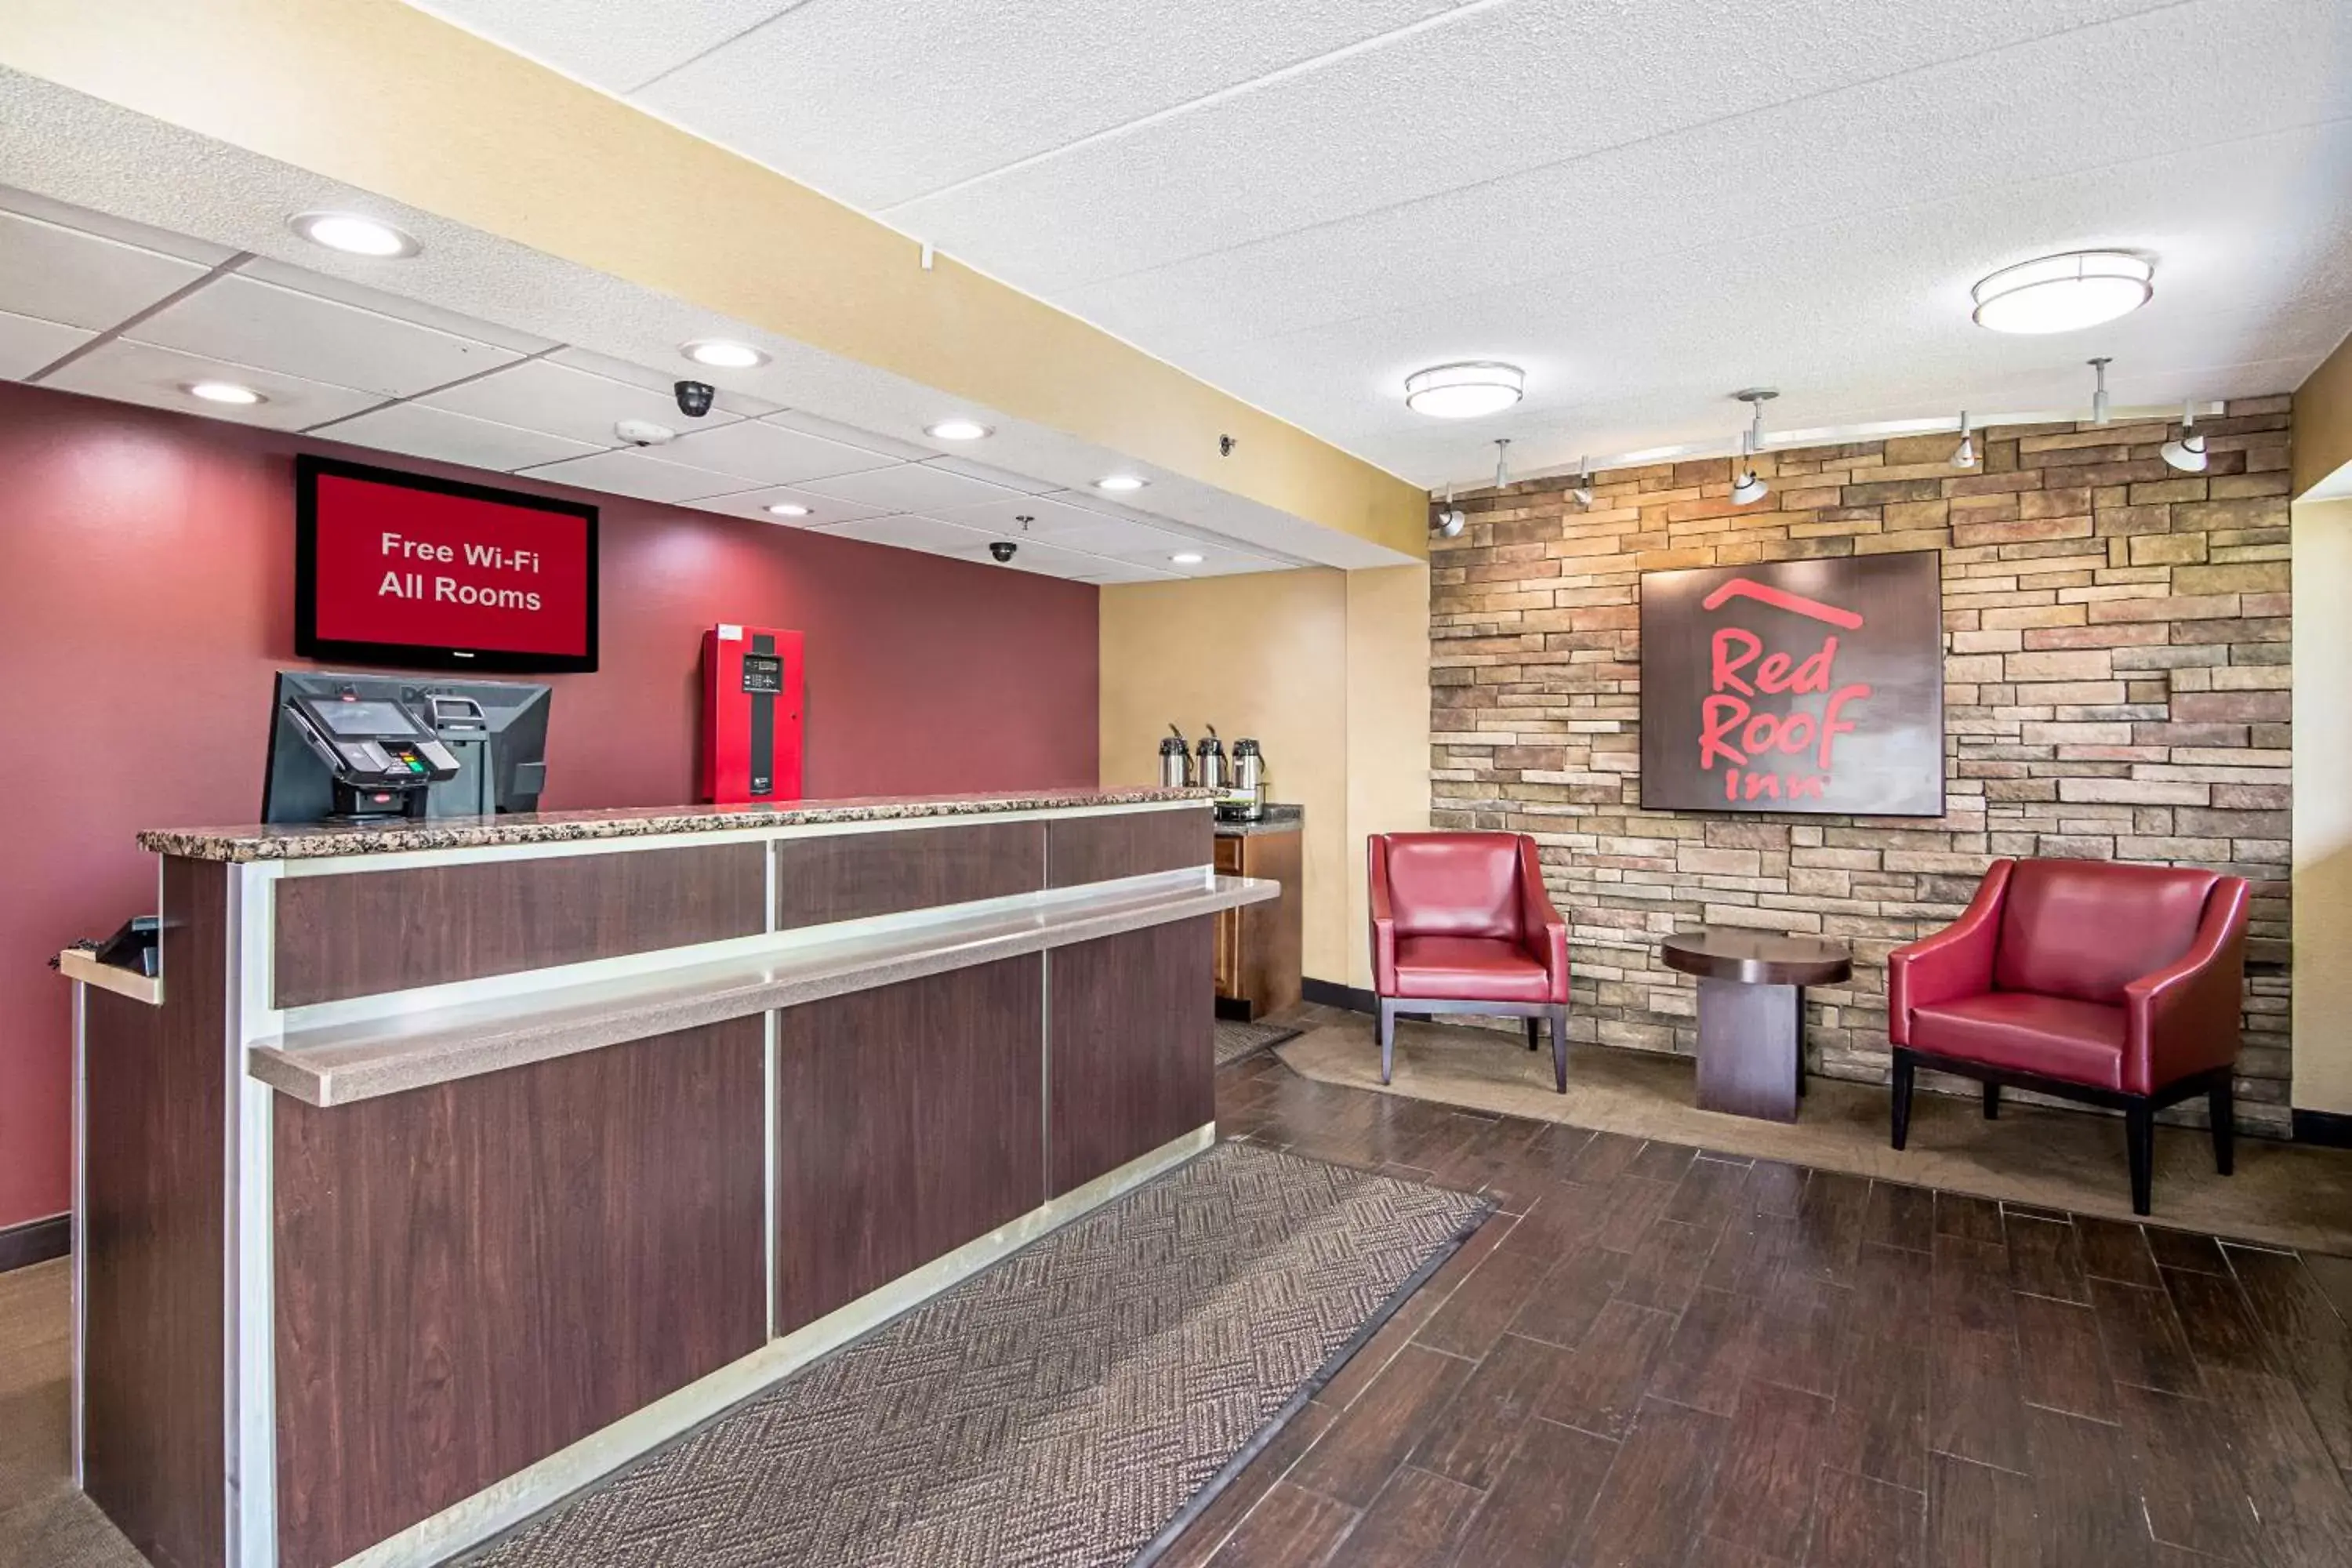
(1257, 946)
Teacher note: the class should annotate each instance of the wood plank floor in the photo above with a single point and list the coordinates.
(1665, 1358)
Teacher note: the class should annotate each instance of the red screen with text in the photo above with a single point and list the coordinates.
(416, 567)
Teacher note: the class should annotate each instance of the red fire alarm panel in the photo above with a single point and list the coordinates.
(750, 715)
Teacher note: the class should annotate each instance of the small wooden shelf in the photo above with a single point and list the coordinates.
(79, 964)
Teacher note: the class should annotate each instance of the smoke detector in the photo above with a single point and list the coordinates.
(644, 433)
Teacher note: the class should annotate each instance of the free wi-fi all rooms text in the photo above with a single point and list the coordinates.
(442, 589)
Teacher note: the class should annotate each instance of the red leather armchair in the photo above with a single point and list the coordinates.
(1460, 923)
(2113, 983)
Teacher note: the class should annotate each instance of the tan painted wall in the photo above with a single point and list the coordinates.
(1264, 655)
(2323, 419)
(389, 98)
(1328, 671)
(2323, 810)
(1388, 728)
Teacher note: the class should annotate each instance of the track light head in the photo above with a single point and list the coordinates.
(1747, 487)
(1450, 523)
(1583, 491)
(2099, 390)
(1964, 456)
(1503, 463)
(2187, 454)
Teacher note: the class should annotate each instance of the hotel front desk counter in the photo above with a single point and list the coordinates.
(449, 1165)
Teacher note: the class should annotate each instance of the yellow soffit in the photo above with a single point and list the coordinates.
(385, 97)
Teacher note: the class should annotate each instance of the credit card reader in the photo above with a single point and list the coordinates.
(383, 756)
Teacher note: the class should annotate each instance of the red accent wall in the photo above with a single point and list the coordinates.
(146, 595)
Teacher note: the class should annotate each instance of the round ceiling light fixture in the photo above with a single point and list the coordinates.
(959, 430)
(1465, 390)
(353, 234)
(2064, 293)
(227, 392)
(1118, 482)
(722, 353)
(1186, 558)
(787, 509)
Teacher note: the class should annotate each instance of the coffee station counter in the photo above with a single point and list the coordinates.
(449, 1164)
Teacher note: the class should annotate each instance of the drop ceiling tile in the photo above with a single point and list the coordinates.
(539, 395)
(1106, 573)
(27, 343)
(424, 432)
(823, 510)
(350, 291)
(875, 104)
(632, 473)
(849, 435)
(1048, 517)
(922, 533)
(760, 453)
(279, 329)
(1112, 536)
(106, 225)
(1046, 561)
(910, 487)
(616, 47)
(1005, 477)
(158, 377)
(742, 405)
(57, 274)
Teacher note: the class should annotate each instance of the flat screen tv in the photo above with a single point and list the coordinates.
(407, 572)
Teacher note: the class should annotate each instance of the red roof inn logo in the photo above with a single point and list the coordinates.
(1811, 685)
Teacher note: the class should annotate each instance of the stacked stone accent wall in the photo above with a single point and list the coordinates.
(2116, 688)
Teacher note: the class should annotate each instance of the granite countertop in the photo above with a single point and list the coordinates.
(310, 841)
(1278, 820)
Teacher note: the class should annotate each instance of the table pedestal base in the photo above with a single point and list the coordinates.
(1751, 1049)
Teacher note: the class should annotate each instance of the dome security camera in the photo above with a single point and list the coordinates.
(1001, 549)
(694, 398)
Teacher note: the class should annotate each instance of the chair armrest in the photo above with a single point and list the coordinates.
(2183, 1019)
(1384, 982)
(1541, 930)
(1956, 962)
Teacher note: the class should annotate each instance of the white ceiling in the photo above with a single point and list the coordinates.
(108, 308)
(1646, 203)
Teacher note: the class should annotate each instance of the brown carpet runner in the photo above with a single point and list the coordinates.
(1060, 1410)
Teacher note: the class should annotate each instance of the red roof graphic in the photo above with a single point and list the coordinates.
(1742, 588)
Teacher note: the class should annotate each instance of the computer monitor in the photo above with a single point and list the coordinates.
(496, 729)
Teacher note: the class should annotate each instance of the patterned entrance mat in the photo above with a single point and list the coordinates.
(1071, 1407)
(1236, 1040)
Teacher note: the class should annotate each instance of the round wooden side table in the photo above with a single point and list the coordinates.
(1751, 1013)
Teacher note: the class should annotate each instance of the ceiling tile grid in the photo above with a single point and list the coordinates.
(1643, 204)
(113, 309)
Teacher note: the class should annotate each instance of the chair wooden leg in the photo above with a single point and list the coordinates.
(2139, 1134)
(1560, 1048)
(1902, 1076)
(1535, 1027)
(1387, 1037)
(1992, 1101)
(2221, 1105)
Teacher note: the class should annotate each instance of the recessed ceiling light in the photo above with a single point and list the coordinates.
(720, 354)
(353, 235)
(788, 509)
(1186, 558)
(1118, 482)
(2062, 293)
(225, 392)
(960, 430)
(1463, 391)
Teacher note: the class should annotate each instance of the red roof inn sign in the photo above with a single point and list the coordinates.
(1807, 686)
